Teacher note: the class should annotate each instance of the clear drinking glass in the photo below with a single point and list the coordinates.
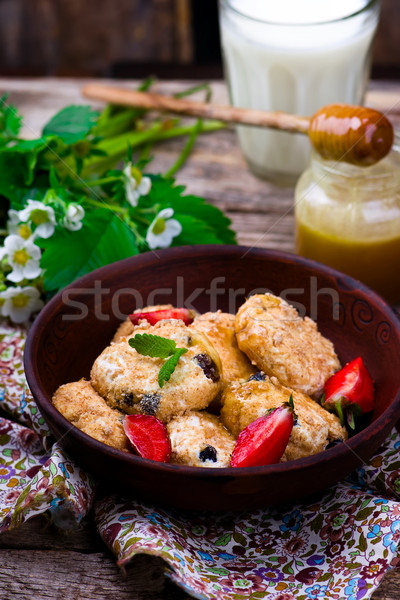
(293, 56)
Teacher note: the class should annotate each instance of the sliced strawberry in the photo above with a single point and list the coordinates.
(148, 436)
(349, 392)
(264, 441)
(184, 314)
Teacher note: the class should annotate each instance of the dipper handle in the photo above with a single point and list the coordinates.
(354, 134)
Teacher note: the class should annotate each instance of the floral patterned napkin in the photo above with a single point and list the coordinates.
(336, 545)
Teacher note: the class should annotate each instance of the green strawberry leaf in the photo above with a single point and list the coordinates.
(192, 212)
(103, 239)
(195, 231)
(10, 121)
(72, 123)
(18, 166)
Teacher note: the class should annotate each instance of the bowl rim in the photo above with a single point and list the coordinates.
(344, 281)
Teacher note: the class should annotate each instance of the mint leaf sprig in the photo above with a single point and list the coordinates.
(156, 346)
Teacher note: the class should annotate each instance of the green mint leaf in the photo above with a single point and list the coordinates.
(103, 239)
(169, 366)
(158, 347)
(153, 345)
(72, 123)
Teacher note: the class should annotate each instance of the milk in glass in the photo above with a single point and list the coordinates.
(293, 56)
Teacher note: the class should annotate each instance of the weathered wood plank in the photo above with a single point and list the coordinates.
(39, 534)
(62, 37)
(390, 587)
(67, 575)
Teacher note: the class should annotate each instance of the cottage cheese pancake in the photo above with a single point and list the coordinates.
(219, 327)
(284, 345)
(199, 439)
(129, 380)
(83, 407)
(315, 427)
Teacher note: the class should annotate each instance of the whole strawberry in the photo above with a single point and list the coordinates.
(264, 441)
(152, 317)
(349, 392)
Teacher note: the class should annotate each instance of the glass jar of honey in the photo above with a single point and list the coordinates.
(348, 217)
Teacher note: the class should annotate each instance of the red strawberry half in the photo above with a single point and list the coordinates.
(148, 436)
(264, 440)
(349, 392)
(184, 314)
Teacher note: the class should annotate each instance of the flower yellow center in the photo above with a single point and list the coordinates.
(158, 227)
(21, 257)
(25, 231)
(20, 300)
(136, 174)
(39, 216)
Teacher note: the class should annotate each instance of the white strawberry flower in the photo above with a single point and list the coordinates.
(41, 216)
(135, 184)
(19, 303)
(15, 226)
(163, 229)
(23, 256)
(73, 217)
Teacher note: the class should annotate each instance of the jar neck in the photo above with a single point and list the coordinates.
(342, 174)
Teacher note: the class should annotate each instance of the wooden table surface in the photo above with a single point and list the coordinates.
(36, 560)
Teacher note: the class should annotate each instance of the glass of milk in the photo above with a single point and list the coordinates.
(293, 56)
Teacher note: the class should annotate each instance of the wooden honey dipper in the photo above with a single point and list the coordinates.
(354, 134)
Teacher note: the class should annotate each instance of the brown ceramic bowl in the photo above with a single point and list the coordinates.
(77, 324)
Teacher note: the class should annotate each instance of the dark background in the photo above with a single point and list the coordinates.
(136, 38)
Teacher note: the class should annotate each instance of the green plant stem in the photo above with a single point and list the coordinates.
(140, 219)
(102, 181)
(116, 148)
(207, 127)
(118, 124)
(139, 237)
(186, 150)
(115, 120)
(114, 207)
(196, 88)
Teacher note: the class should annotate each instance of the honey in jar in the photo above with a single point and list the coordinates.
(348, 217)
